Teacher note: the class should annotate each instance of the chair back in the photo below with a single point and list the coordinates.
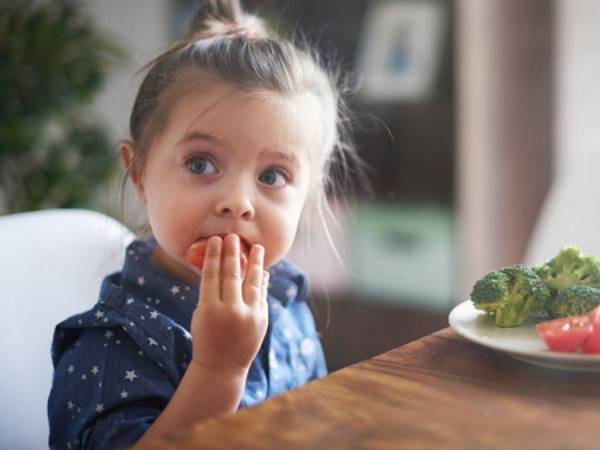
(51, 265)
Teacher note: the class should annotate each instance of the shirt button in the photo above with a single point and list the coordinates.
(307, 347)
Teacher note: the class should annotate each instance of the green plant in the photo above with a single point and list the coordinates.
(52, 63)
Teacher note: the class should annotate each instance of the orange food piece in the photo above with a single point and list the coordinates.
(196, 254)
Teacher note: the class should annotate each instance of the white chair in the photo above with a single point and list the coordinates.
(51, 266)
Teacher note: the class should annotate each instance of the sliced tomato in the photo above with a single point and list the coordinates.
(565, 334)
(592, 343)
(196, 253)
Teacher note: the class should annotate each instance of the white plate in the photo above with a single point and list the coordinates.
(521, 343)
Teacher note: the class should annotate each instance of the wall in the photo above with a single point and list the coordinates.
(504, 72)
(142, 28)
(571, 214)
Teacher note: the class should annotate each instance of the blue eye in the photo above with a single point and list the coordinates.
(274, 177)
(200, 165)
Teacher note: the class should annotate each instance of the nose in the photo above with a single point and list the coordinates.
(235, 204)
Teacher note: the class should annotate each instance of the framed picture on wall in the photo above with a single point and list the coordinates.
(400, 49)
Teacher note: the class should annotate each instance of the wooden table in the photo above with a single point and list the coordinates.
(439, 392)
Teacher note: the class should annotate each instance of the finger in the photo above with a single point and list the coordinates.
(252, 287)
(210, 284)
(231, 272)
(265, 286)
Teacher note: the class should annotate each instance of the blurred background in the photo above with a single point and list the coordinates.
(477, 120)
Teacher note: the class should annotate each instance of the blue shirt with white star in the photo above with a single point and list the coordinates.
(118, 364)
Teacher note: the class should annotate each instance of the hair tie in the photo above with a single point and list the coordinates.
(241, 30)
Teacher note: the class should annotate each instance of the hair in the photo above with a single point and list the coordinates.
(226, 44)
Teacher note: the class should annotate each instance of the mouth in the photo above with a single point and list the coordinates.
(196, 254)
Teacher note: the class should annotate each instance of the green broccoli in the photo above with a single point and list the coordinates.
(511, 294)
(570, 267)
(574, 301)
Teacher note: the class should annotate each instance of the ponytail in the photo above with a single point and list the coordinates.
(224, 17)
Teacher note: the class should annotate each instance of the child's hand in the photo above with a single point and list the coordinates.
(231, 319)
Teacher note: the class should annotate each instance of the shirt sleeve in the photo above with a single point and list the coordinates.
(106, 392)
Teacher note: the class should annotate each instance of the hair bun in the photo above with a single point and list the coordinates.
(224, 17)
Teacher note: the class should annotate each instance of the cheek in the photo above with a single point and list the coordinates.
(279, 235)
(170, 222)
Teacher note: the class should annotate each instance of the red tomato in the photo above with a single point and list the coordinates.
(592, 343)
(565, 334)
(196, 253)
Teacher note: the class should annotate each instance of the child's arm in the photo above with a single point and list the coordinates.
(227, 328)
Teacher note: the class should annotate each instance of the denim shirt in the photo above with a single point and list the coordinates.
(118, 364)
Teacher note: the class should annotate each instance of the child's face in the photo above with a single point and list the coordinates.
(228, 163)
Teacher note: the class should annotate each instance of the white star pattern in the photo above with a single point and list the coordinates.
(124, 394)
(100, 408)
(84, 377)
(291, 291)
(141, 281)
(71, 369)
(175, 290)
(94, 370)
(129, 301)
(108, 334)
(154, 315)
(307, 346)
(152, 342)
(99, 314)
(70, 404)
(130, 375)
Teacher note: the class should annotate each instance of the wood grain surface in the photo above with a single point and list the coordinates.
(440, 392)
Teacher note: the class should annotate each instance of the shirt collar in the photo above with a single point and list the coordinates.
(152, 284)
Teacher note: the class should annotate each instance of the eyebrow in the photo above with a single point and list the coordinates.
(199, 135)
(289, 157)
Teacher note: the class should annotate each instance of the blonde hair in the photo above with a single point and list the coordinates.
(229, 45)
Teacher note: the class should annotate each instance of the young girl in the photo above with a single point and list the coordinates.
(233, 133)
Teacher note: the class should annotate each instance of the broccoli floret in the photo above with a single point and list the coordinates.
(511, 294)
(574, 301)
(570, 267)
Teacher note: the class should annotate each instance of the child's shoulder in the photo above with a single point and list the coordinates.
(288, 282)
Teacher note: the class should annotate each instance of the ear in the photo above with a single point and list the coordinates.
(127, 152)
